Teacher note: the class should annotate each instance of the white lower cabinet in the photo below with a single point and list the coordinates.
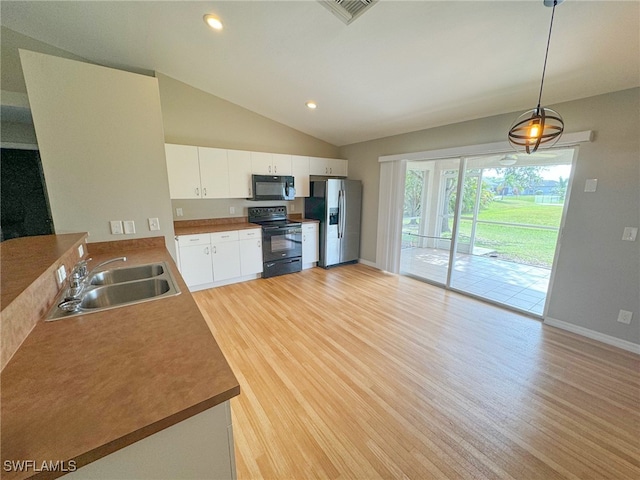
(194, 252)
(250, 251)
(310, 244)
(215, 259)
(198, 447)
(225, 251)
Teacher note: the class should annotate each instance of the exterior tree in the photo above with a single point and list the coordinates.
(519, 178)
(414, 185)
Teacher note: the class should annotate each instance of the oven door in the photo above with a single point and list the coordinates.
(280, 242)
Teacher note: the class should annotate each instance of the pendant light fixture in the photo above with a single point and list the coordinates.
(540, 126)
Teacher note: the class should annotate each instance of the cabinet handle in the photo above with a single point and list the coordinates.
(204, 192)
(206, 250)
(326, 169)
(269, 168)
(330, 169)
(258, 243)
(197, 192)
(214, 250)
(275, 169)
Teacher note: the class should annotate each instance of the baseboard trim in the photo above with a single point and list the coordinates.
(368, 263)
(601, 337)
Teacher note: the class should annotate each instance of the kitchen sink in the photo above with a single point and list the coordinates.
(118, 287)
(126, 274)
(124, 293)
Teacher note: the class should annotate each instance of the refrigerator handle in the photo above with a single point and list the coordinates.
(343, 213)
(339, 213)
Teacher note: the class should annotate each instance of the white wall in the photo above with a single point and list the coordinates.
(597, 273)
(101, 142)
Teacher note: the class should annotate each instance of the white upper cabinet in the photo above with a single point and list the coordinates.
(214, 172)
(281, 164)
(263, 163)
(203, 172)
(239, 162)
(327, 166)
(183, 170)
(300, 172)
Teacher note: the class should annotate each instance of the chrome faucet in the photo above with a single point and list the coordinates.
(80, 274)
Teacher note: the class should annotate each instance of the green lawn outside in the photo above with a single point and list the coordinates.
(529, 246)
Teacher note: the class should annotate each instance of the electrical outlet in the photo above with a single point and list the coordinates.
(232, 210)
(629, 234)
(129, 227)
(625, 317)
(80, 250)
(293, 207)
(154, 224)
(179, 212)
(116, 227)
(61, 275)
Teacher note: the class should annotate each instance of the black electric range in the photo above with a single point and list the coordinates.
(281, 240)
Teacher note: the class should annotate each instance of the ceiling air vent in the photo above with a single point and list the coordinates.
(348, 10)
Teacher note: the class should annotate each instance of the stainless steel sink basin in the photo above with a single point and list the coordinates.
(126, 274)
(119, 287)
(124, 293)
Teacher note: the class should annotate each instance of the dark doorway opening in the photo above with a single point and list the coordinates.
(24, 204)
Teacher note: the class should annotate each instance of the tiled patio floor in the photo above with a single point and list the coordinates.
(520, 286)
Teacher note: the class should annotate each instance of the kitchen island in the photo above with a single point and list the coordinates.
(81, 388)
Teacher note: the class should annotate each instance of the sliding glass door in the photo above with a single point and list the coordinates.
(506, 224)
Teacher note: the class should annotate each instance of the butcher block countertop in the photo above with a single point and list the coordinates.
(83, 387)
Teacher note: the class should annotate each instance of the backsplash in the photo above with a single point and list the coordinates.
(226, 208)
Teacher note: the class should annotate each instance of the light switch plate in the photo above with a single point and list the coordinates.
(116, 227)
(129, 227)
(591, 185)
(80, 250)
(154, 224)
(179, 212)
(630, 234)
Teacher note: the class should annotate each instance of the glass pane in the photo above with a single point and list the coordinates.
(429, 207)
(508, 232)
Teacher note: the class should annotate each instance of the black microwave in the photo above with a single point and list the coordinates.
(273, 187)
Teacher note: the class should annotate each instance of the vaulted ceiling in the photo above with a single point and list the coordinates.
(402, 66)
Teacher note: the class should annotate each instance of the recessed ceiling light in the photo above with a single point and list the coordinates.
(213, 21)
(311, 105)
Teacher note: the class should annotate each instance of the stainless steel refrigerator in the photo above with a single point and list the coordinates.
(337, 204)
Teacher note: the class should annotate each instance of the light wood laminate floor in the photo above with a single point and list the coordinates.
(354, 373)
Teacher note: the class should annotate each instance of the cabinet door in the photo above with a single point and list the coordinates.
(239, 162)
(195, 264)
(318, 166)
(309, 243)
(281, 164)
(300, 172)
(226, 260)
(214, 172)
(183, 170)
(261, 163)
(337, 167)
(251, 255)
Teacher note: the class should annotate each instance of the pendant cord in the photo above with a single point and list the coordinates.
(546, 54)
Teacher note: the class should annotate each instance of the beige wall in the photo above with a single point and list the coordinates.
(194, 117)
(102, 146)
(597, 273)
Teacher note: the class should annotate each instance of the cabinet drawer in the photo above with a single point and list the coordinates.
(251, 233)
(309, 227)
(200, 239)
(220, 237)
